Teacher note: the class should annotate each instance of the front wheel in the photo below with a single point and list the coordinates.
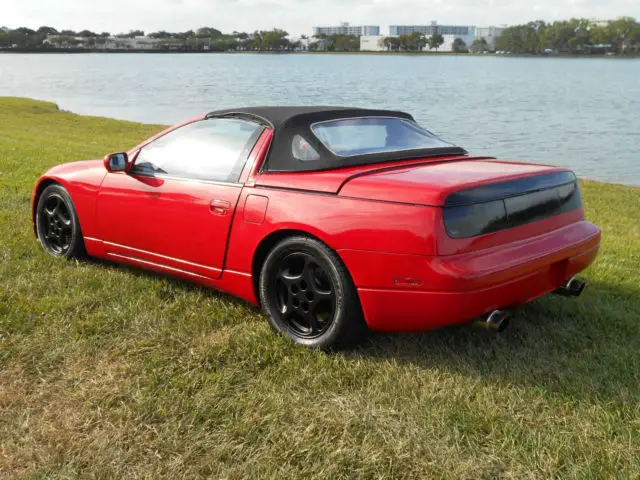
(308, 295)
(57, 223)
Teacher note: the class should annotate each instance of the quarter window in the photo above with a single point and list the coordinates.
(303, 151)
(215, 149)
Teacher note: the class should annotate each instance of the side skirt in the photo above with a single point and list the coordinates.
(237, 284)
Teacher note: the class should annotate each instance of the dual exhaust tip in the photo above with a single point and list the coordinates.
(498, 320)
(573, 288)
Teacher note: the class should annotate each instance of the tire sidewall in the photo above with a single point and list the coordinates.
(319, 251)
(76, 235)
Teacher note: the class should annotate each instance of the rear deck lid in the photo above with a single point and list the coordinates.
(436, 184)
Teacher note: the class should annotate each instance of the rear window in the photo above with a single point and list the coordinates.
(368, 135)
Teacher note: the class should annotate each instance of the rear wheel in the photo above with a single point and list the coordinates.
(57, 224)
(308, 295)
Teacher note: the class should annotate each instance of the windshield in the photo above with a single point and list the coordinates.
(367, 135)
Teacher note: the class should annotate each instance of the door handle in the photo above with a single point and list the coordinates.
(219, 207)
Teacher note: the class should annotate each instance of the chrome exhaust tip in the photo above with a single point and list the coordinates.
(573, 288)
(496, 321)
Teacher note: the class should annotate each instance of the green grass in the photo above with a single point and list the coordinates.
(111, 372)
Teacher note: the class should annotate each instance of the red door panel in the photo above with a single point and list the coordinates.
(182, 224)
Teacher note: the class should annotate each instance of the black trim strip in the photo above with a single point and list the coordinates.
(250, 117)
(510, 188)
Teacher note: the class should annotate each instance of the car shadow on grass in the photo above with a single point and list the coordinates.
(584, 347)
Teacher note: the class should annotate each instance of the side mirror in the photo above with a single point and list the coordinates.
(116, 162)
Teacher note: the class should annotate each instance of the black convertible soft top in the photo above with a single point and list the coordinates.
(290, 123)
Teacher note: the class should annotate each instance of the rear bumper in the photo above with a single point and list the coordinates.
(412, 293)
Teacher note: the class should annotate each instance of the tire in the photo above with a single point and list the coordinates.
(308, 295)
(57, 224)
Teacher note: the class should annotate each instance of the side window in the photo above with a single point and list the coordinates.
(214, 149)
(302, 150)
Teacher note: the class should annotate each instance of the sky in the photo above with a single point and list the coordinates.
(295, 16)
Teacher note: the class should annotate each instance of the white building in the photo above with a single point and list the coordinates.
(347, 29)
(467, 33)
(110, 43)
(461, 31)
(490, 34)
(136, 43)
(372, 43)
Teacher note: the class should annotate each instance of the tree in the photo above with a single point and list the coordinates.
(459, 46)
(435, 41)
(403, 42)
(577, 35)
(207, 32)
(621, 30)
(184, 35)
(635, 38)
(391, 43)
(46, 31)
(417, 41)
(131, 34)
(87, 34)
(342, 43)
(4, 39)
(68, 33)
(275, 39)
(479, 45)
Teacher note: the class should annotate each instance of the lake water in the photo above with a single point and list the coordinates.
(582, 113)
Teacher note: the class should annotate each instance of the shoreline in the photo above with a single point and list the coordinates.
(306, 52)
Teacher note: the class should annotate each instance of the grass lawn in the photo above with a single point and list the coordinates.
(112, 372)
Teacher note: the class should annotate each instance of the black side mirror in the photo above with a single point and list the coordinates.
(116, 162)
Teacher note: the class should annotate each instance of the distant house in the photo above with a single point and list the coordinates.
(135, 43)
(66, 41)
(106, 43)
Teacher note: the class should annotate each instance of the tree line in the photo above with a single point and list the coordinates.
(335, 43)
(575, 36)
(205, 38)
(415, 42)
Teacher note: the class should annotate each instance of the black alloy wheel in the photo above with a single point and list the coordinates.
(304, 295)
(57, 223)
(308, 295)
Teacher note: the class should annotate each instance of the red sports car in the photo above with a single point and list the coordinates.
(332, 219)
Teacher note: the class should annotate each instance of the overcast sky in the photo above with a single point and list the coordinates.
(295, 16)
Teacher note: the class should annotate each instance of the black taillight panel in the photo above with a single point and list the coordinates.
(472, 220)
(474, 212)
